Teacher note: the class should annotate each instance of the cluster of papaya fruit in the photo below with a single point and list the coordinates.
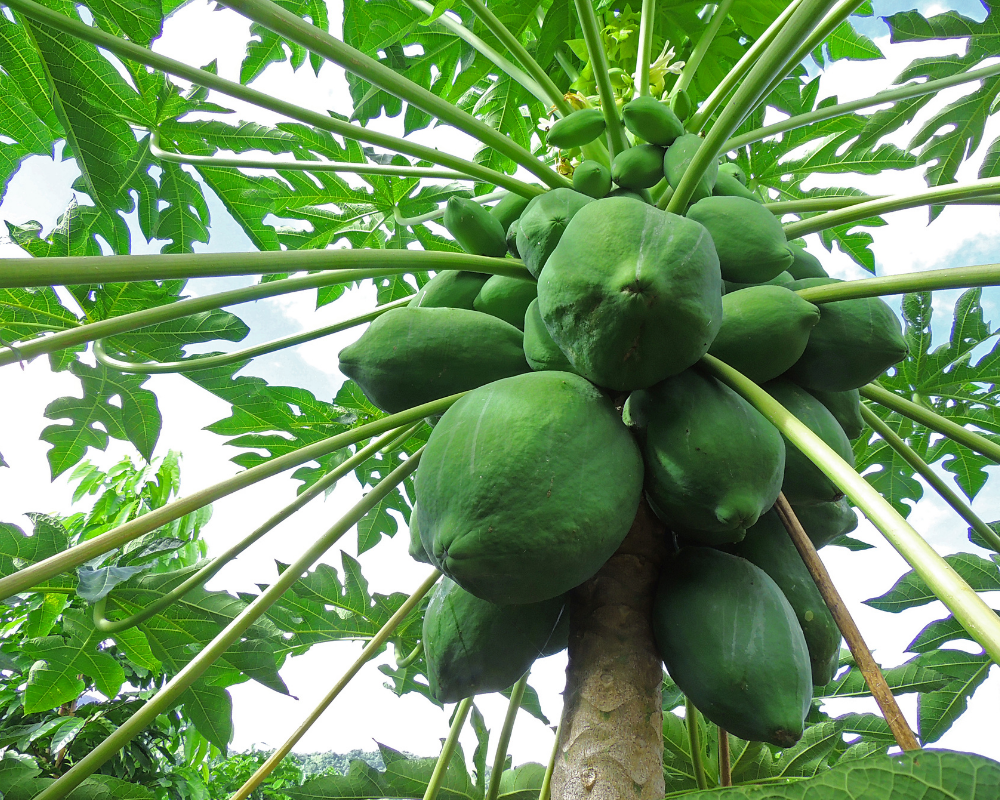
(585, 395)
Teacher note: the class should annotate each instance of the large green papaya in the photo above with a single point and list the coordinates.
(748, 238)
(652, 120)
(768, 545)
(510, 207)
(506, 298)
(475, 230)
(639, 167)
(854, 342)
(825, 522)
(676, 161)
(542, 224)
(731, 642)
(631, 294)
(410, 356)
(727, 185)
(804, 482)
(805, 264)
(576, 129)
(516, 498)
(592, 178)
(846, 407)
(540, 351)
(764, 331)
(473, 647)
(416, 548)
(714, 464)
(450, 289)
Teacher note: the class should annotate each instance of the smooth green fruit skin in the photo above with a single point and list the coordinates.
(512, 239)
(639, 167)
(628, 193)
(728, 186)
(540, 351)
(507, 298)
(676, 160)
(592, 178)
(781, 279)
(764, 331)
(680, 104)
(805, 264)
(576, 129)
(734, 170)
(475, 230)
(825, 522)
(714, 464)
(804, 483)
(748, 238)
(510, 207)
(542, 224)
(731, 642)
(854, 342)
(475, 647)
(527, 486)
(631, 294)
(652, 121)
(450, 289)
(416, 548)
(846, 407)
(410, 356)
(768, 546)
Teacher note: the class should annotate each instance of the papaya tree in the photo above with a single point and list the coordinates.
(616, 400)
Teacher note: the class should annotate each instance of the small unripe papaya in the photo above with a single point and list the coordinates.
(416, 549)
(512, 238)
(652, 121)
(450, 289)
(510, 207)
(639, 167)
(507, 298)
(680, 104)
(677, 159)
(781, 279)
(475, 230)
(540, 351)
(728, 186)
(542, 224)
(846, 407)
(734, 170)
(629, 193)
(824, 522)
(577, 129)
(805, 264)
(593, 179)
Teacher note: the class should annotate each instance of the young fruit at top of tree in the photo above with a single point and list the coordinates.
(542, 224)
(677, 159)
(732, 644)
(714, 464)
(410, 356)
(846, 407)
(475, 230)
(768, 546)
(576, 129)
(474, 647)
(527, 486)
(804, 482)
(680, 104)
(728, 186)
(509, 209)
(639, 167)
(748, 238)
(450, 289)
(805, 264)
(764, 331)
(854, 342)
(507, 298)
(592, 178)
(734, 170)
(539, 349)
(631, 294)
(824, 522)
(652, 121)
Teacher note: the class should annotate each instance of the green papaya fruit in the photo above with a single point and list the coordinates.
(804, 483)
(475, 230)
(781, 279)
(652, 121)
(631, 294)
(728, 186)
(730, 641)
(748, 238)
(805, 264)
(854, 342)
(824, 522)
(539, 349)
(764, 331)
(680, 104)
(768, 546)
(846, 407)
(542, 224)
(676, 161)
(734, 170)
(576, 129)
(450, 289)
(506, 298)
(510, 207)
(559, 639)
(629, 193)
(696, 430)
(473, 647)
(416, 549)
(515, 501)
(639, 167)
(410, 356)
(592, 178)
(512, 238)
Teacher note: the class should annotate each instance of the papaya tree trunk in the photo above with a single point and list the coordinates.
(611, 738)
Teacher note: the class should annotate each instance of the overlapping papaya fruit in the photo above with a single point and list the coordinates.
(584, 398)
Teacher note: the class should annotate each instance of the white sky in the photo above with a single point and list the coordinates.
(367, 712)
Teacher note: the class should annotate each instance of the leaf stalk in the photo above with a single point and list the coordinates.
(617, 143)
(500, 758)
(448, 750)
(884, 285)
(691, 719)
(647, 23)
(700, 49)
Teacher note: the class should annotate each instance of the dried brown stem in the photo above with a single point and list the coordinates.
(725, 765)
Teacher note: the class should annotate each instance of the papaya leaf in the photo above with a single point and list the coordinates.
(210, 708)
(911, 591)
(906, 678)
(530, 703)
(937, 633)
(18, 550)
(938, 710)
(480, 754)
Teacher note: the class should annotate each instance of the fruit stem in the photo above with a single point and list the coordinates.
(516, 695)
(845, 622)
(410, 657)
(387, 441)
(692, 719)
(647, 22)
(546, 791)
(922, 468)
(441, 767)
(617, 142)
(880, 286)
(700, 49)
(169, 695)
(316, 40)
(932, 420)
(982, 624)
(725, 761)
